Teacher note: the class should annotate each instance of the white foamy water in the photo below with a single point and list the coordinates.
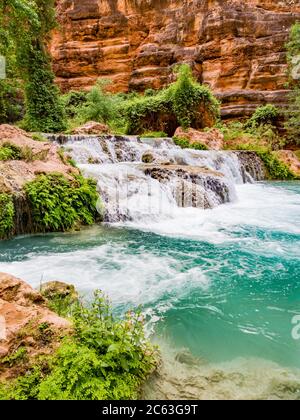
(259, 205)
(221, 277)
(129, 278)
(175, 179)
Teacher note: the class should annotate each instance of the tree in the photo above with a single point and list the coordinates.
(26, 25)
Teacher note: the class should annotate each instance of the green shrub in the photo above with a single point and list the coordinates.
(19, 356)
(11, 101)
(264, 115)
(59, 204)
(73, 101)
(106, 359)
(9, 151)
(99, 105)
(276, 169)
(292, 113)
(38, 137)
(185, 103)
(7, 213)
(185, 144)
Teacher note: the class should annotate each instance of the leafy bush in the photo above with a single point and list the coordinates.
(7, 213)
(73, 101)
(105, 359)
(9, 151)
(276, 169)
(264, 115)
(59, 204)
(17, 357)
(292, 113)
(99, 105)
(185, 144)
(11, 101)
(185, 103)
(238, 135)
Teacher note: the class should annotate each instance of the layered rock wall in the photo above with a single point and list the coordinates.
(237, 47)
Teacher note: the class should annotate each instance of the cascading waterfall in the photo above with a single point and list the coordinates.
(219, 288)
(152, 178)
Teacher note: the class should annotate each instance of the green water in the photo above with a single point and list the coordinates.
(225, 284)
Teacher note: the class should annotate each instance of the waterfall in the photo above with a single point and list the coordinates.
(151, 178)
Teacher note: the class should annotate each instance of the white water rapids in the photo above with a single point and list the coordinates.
(153, 179)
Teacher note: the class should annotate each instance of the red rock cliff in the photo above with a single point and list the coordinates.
(237, 47)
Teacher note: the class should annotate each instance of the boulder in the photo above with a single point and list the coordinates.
(92, 128)
(27, 326)
(40, 157)
(212, 139)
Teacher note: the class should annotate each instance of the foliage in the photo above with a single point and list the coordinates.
(18, 356)
(11, 101)
(38, 137)
(182, 103)
(9, 151)
(264, 115)
(276, 169)
(25, 27)
(59, 204)
(154, 135)
(73, 101)
(238, 135)
(106, 359)
(44, 111)
(99, 105)
(7, 213)
(185, 144)
(293, 112)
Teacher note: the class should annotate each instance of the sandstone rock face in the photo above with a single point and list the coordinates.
(26, 322)
(212, 139)
(235, 47)
(92, 127)
(42, 158)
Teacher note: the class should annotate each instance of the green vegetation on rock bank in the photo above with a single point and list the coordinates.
(103, 358)
(55, 202)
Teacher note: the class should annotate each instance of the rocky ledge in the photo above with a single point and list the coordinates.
(191, 186)
(37, 157)
(28, 329)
